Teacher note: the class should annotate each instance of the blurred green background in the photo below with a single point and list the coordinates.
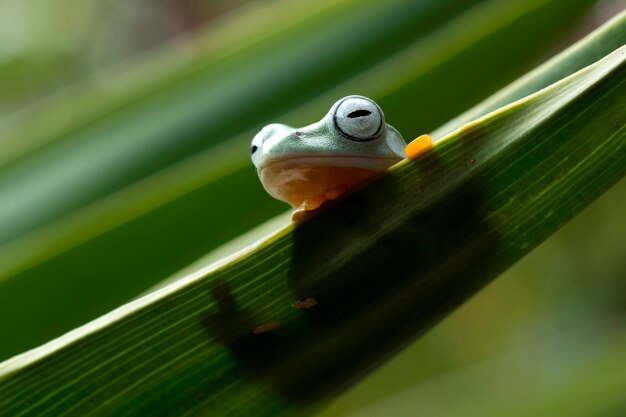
(124, 135)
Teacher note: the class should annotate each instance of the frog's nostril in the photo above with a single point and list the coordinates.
(298, 134)
(359, 113)
(254, 148)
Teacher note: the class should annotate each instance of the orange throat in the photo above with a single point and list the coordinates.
(299, 183)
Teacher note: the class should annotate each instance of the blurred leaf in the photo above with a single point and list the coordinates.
(607, 38)
(374, 272)
(120, 190)
(193, 109)
(585, 377)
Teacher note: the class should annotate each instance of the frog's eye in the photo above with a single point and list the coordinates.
(358, 118)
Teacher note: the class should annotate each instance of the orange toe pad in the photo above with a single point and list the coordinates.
(418, 146)
(307, 206)
(314, 203)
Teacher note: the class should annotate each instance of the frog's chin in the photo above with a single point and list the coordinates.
(296, 180)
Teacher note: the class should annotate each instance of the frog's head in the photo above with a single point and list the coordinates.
(353, 128)
(353, 135)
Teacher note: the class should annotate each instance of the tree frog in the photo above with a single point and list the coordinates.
(308, 166)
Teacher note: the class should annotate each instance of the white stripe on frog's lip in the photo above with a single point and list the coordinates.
(374, 163)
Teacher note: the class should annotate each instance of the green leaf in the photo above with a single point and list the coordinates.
(146, 172)
(374, 272)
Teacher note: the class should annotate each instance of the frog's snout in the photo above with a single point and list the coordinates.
(265, 138)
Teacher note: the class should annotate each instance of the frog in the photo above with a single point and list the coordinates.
(309, 166)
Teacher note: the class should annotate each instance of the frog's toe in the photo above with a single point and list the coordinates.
(299, 213)
(418, 146)
(308, 206)
(314, 203)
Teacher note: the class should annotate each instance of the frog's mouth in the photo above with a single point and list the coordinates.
(371, 163)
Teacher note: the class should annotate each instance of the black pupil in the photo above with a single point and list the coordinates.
(254, 148)
(359, 113)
